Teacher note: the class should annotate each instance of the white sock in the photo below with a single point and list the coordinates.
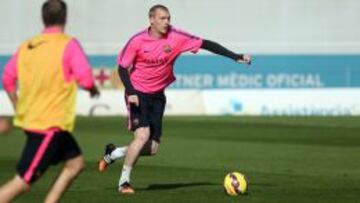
(118, 153)
(125, 175)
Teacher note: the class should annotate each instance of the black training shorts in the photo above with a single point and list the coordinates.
(44, 149)
(149, 113)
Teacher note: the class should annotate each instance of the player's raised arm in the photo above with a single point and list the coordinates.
(216, 48)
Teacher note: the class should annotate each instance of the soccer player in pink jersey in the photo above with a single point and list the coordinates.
(41, 81)
(146, 69)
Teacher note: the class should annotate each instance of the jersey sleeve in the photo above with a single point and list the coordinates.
(78, 64)
(128, 53)
(189, 42)
(9, 76)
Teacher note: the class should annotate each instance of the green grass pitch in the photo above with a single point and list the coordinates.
(286, 159)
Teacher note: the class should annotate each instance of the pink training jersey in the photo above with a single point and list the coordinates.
(75, 63)
(152, 60)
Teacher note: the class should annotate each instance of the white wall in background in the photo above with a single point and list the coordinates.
(257, 26)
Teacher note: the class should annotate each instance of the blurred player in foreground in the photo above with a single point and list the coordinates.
(47, 69)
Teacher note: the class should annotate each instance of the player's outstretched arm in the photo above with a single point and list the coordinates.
(216, 48)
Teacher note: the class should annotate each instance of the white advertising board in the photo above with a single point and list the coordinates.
(111, 102)
(257, 102)
(299, 102)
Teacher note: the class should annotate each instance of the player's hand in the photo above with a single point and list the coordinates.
(94, 92)
(246, 58)
(133, 99)
(5, 126)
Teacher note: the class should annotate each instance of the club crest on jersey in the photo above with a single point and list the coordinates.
(167, 48)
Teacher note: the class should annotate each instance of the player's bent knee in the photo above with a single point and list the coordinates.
(153, 151)
(142, 135)
(142, 138)
(150, 148)
(154, 148)
(76, 165)
(21, 184)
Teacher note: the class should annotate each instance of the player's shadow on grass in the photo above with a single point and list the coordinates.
(169, 186)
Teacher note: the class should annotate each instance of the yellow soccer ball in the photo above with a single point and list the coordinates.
(235, 184)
